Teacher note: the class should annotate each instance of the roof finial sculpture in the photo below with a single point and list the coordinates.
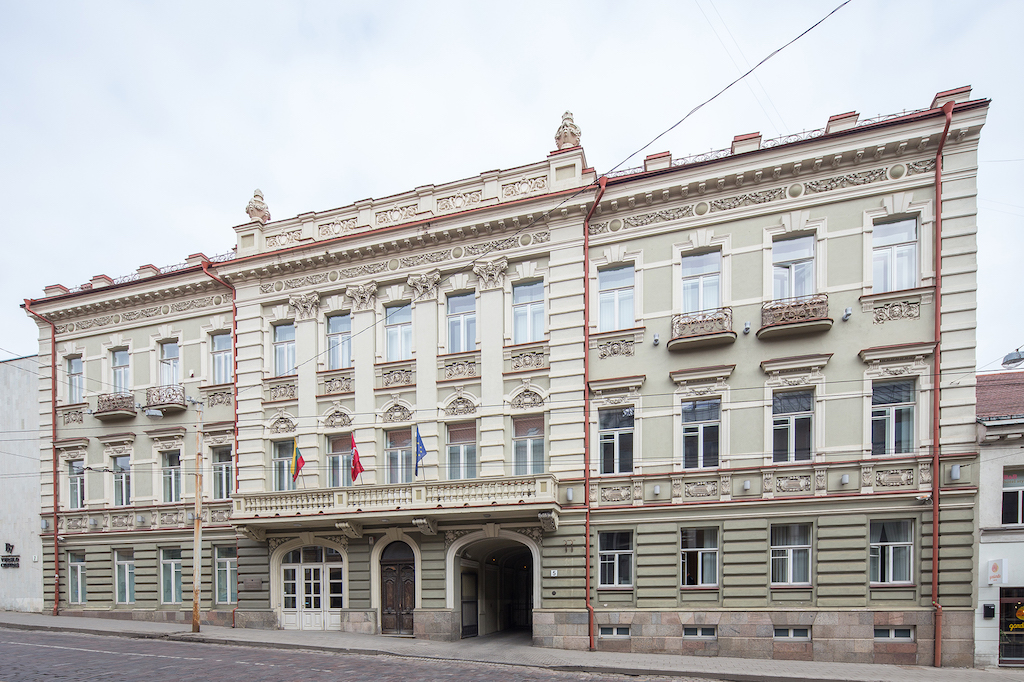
(568, 135)
(258, 210)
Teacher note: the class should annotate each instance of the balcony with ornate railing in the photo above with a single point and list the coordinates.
(790, 316)
(142, 517)
(703, 328)
(115, 405)
(168, 398)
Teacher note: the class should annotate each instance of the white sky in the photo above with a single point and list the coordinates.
(135, 133)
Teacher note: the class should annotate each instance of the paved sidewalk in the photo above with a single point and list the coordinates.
(513, 649)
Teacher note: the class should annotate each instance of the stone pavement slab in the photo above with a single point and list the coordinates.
(516, 649)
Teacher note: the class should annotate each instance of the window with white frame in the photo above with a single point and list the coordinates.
(701, 429)
(226, 570)
(220, 358)
(528, 445)
(281, 464)
(1013, 496)
(702, 288)
(892, 548)
(615, 552)
(894, 256)
(335, 578)
(398, 332)
(615, 431)
(892, 417)
(222, 473)
(699, 553)
(613, 631)
(615, 298)
(171, 472)
(398, 455)
(462, 450)
(124, 576)
(339, 341)
(791, 554)
(284, 350)
(792, 421)
(76, 484)
(76, 578)
(461, 323)
(119, 371)
(901, 634)
(703, 631)
(169, 372)
(170, 576)
(793, 268)
(792, 633)
(527, 312)
(121, 466)
(339, 460)
(76, 380)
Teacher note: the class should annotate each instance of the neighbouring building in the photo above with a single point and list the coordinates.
(684, 408)
(21, 549)
(999, 621)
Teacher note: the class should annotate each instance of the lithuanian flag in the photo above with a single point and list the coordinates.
(297, 460)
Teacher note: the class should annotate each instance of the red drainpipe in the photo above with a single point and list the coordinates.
(947, 109)
(53, 441)
(602, 181)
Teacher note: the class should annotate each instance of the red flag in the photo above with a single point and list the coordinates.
(357, 466)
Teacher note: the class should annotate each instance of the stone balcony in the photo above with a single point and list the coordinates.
(792, 316)
(170, 398)
(115, 406)
(701, 329)
(144, 517)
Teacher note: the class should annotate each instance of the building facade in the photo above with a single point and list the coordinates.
(999, 628)
(686, 408)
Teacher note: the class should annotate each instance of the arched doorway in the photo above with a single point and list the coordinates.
(494, 583)
(312, 588)
(398, 589)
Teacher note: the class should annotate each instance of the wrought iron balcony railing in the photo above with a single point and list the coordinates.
(115, 402)
(789, 310)
(170, 396)
(702, 322)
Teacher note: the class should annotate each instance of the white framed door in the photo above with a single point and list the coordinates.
(312, 589)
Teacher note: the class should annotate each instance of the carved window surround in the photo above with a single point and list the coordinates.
(796, 372)
(901, 361)
(894, 306)
(72, 448)
(281, 389)
(391, 375)
(459, 367)
(700, 383)
(526, 357)
(896, 206)
(335, 382)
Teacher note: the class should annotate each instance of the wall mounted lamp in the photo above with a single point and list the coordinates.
(746, 327)
(954, 472)
(656, 339)
(568, 494)
(657, 490)
(746, 484)
(847, 314)
(845, 480)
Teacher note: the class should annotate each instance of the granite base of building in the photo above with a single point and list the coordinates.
(216, 617)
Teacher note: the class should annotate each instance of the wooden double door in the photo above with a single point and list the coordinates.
(398, 589)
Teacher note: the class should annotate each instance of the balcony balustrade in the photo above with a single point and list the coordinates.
(703, 328)
(165, 398)
(115, 405)
(142, 517)
(789, 316)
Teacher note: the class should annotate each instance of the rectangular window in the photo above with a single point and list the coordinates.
(793, 268)
(702, 631)
(76, 484)
(339, 341)
(398, 332)
(76, 578)
(461, 323)
(614, 631)
(462, 450)
(1013, 497)
(793, 633)
(616, 437)
(76, 381)
(398, 455)
(124, 570)
(791, 554)
(793, 416)
(220, 357)
(894, 256)
(699, 549)
(284, 350)
(222, 473)
(122, 480)
(335, 578)
(227, 575)
(119, 367)
(170, 576)
(169, 374)
(282, 465)
(172, 476)
(527, 312)
(892, 546)
(892, 418)
(615, 299)
(528, 445)
(700, 433)
(615, 552)
(339, 460)
(702, 282)
(897, 634)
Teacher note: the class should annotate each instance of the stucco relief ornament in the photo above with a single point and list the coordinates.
(73, 417)
(257, 209)
(338, 385)
(220, 398)
(337, 419)
(305, 306)
(568, 134)
(527, 399)
(282, 425)
(898, 310)
(363, 296)
(492, 275)
(425, 283)
(460, 405)
(397, 413)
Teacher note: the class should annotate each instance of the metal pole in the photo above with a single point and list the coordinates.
(197, 539)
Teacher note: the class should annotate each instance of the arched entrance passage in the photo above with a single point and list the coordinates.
(493, 582)
(398, 589)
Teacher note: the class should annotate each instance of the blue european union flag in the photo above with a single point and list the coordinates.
(421, 451)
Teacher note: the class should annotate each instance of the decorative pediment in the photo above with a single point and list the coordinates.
(528, 396)
(282, 423)
(797, 370)
(72, 448)
(396, 413)
(898, 360)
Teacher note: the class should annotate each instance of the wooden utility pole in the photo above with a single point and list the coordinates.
(197, 538)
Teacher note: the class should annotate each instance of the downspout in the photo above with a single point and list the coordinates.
(234, 385)
(602, 182)
(53, 442)
(947, 109)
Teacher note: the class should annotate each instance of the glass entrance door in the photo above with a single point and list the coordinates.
(312, 589)
(1011, 626)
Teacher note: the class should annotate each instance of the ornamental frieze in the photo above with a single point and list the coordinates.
(220, 515)
(219, 398)
(395, 215)
(459, 201)
(336, 227)
(495, 245)
(524, 187)
(133, 315)
(531, 360)
(623, 493)
(283, 392)
(819, 479)
(792, 484)
(308, 280)
(461, 368)
(702, 489)
(425, 258)
(73, 417)
(915, 167)
(397, 377)
(360, 270)
(143, 313)
(897, 310)
(284, 239)
(338, 385)
(749, 199)
(612, 348)
(848, 180)
(895, 477)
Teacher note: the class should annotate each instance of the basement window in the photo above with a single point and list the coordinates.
(895, 634)
(800, 634)
(703, 632)
(615, 631)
